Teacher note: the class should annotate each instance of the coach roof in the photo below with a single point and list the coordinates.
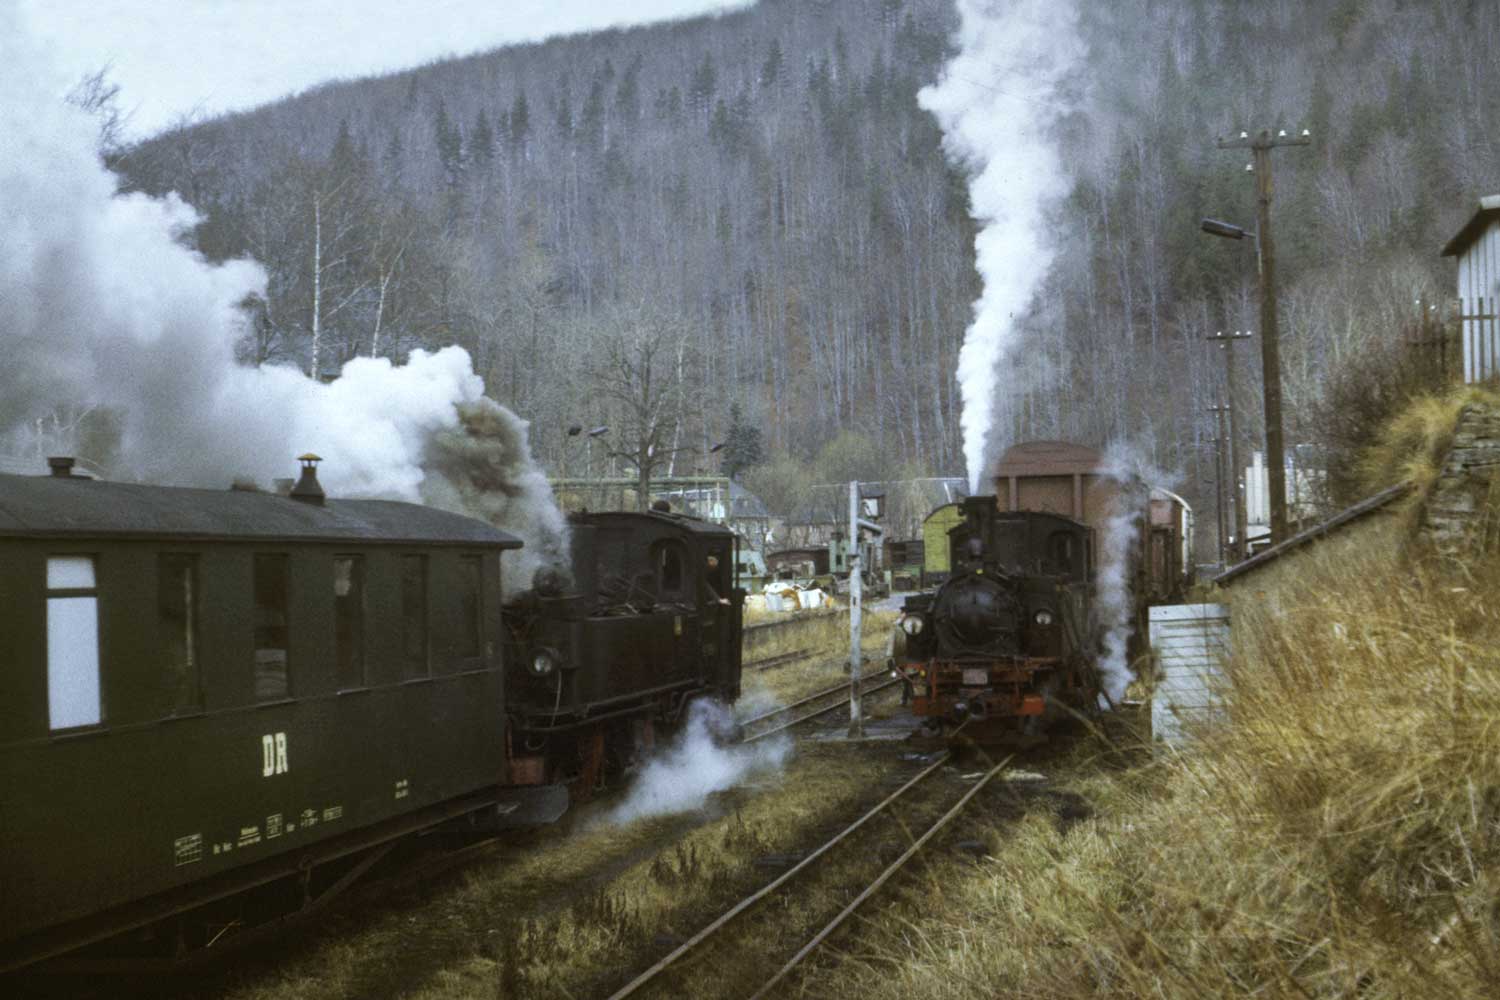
(77, 507)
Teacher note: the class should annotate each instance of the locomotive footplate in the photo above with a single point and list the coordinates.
(960, 690)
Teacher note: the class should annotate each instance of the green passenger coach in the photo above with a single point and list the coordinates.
(208, 692)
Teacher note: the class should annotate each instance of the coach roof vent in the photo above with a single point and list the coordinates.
(307, 489)
(62, 467)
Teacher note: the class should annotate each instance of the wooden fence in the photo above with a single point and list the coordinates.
(1453, 340)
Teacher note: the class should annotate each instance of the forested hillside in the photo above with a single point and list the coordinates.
(647, 227)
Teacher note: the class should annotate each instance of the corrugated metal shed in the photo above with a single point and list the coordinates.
(1191, 642)
(1477, 247)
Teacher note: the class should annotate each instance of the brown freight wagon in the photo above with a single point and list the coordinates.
(1060, 477)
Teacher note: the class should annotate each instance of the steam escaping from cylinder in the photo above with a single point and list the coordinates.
(697, 764)
(997, 102)
(1119, 557)
(103, 310)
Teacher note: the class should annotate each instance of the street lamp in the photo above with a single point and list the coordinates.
(1224, 229)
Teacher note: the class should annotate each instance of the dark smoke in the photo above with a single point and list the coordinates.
(483, 468)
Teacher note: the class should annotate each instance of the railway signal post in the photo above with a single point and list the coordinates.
(1260, 146)
(856, 598)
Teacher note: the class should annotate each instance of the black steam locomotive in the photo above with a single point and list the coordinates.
(222, 705)
(1007, 645)
(650, 622)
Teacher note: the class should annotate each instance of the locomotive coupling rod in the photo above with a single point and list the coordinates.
(771, 887)
(884, 877)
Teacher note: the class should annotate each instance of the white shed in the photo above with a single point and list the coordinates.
(1191, 642)
(1477, 247)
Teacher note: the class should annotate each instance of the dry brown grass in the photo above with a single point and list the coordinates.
(569, 919)
(827, 644)
(1337, 835)
(1412, 445)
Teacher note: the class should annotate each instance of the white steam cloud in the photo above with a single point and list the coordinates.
(696, 765)
(1120, 554)
(997, 102)
(102, 307)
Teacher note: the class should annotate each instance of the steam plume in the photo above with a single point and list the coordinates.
(696, 765)
(997, 101)
(101, 306)
(1119, 554)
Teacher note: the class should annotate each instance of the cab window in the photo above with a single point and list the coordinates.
(671, 570)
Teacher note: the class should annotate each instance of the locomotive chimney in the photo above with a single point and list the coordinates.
(61, 466)
(308, 489)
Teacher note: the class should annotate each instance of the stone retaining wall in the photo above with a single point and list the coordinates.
(1459, 517)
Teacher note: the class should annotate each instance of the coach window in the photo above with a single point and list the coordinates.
(177, 624)
(470, 639)
(349, 620)
(414, 616)
(73, 697)
(271, 681)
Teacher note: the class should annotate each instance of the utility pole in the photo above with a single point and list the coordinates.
(1260, 147)
(1222, 520)
(1236, 489)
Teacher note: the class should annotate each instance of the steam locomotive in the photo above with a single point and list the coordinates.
(222, 706)
(651, 623)
(1007, 644)
(1011, 642)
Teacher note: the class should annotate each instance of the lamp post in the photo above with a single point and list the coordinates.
(588, 450)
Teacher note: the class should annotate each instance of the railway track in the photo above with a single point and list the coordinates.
(780, 659)
(712, 932)
(830, 699)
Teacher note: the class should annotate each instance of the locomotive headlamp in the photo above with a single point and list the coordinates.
(543, 662)
(1043, 617)
(911, 624)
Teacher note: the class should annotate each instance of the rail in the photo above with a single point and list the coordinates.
(722, 921)
(767, 662)
(836, 697)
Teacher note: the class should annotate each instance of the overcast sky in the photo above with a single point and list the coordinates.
(172, 57)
